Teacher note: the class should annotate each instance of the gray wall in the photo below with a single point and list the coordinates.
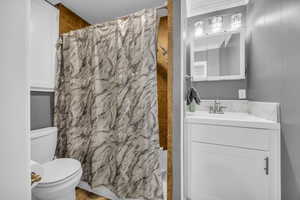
(274, 75)
(228, 90)
(41, 109)
(216, 89)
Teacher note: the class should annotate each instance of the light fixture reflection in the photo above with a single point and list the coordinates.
(216, 24)
(236, 21)
(199, 29)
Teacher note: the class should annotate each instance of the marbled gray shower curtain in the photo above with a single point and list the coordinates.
(106, 104)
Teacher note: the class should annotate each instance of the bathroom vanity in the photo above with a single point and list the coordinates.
(231, 156)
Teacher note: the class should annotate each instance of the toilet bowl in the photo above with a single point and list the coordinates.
(61, 176)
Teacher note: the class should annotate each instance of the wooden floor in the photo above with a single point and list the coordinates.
(84, 195)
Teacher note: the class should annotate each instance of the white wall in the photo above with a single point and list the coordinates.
(14, 97)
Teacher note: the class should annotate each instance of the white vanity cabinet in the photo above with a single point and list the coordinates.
(232, 160)
(43, 37)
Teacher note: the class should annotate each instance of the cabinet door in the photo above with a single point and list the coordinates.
(43, 38)
(227, 173)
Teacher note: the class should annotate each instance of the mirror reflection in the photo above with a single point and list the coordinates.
(217, 56)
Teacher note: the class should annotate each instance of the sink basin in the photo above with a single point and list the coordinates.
(231, 119)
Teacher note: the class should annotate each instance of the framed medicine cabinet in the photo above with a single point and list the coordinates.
(217, 49)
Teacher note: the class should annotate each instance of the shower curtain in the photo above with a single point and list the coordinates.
(106, 104)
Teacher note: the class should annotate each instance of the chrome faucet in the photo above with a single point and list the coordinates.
(216, 108)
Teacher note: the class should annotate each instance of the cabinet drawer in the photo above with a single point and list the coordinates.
(232, 136)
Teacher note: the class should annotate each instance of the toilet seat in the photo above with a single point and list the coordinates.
(59, 170)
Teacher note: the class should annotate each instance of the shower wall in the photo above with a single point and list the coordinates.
(162, 81)
(68, 20)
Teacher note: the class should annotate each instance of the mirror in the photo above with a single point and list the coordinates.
(218, 56)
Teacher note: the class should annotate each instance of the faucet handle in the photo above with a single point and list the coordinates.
(211, 109)
(221, 109)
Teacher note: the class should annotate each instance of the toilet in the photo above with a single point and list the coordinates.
(61, 176)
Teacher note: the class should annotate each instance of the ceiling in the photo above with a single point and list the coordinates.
(96, 11)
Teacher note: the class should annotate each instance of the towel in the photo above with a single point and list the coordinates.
(192, 95)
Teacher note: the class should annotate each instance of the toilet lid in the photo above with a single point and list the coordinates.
(59, 169)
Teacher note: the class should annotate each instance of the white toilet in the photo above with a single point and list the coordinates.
(61, 176)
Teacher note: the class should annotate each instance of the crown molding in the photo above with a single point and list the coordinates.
(200, 7)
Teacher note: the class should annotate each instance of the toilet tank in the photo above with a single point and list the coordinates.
(43, 144)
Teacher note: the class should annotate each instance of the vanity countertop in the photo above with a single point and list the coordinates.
(238, 119)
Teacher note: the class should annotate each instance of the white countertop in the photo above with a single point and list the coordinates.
(237, 119)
